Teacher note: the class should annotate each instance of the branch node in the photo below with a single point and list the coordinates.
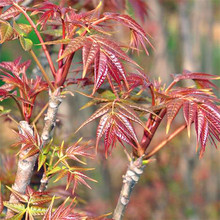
(124, 200)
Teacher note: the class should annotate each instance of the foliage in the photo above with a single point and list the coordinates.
(105, 66)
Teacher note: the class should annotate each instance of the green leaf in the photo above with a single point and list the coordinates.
(18, 30)
(3, 111)
(62, 41)
(36, 210)
(41, 160)
(16, 207)
(26, 28)
(54, 33)
(54, 170)
(61, 175)
(6, 31)
(107, 94)
(26, 43)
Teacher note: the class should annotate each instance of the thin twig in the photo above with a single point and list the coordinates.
(164, 142)
(42, 70)
(39, 37)
(12, 119)
(40, 114)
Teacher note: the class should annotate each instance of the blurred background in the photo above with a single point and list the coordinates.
(177, 185)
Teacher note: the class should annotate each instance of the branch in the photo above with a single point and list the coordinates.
(42, 70)
(164, 142)
(131, 177)
(136, 168)
(26, 166)
(55, 100)
(50, 123)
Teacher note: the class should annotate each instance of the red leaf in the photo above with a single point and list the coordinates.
(203, 79)
(101, 70)
(197, 76)
(104, 124)
(173, 108)
(140, 8)
(189, 111)
(128, 126)
(97, 114)
(130, 114)
(63, 212)
(11, 12)
(199, 123)
(122, 136)
(4, 3)
(74, 45)
(129, 22)
(203, 137)
(110, 138)
(112, 48)
(89, 52)
(117, 67)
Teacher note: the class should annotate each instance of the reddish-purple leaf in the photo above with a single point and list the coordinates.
(79, 149)
(202, 79)
(104, 124)
(140, 7)
(117, 67)
(211, 110)
(130, 114)
(129, 22)
(97, 114)
(189, 112)
(109, 139)
(63, 212)
(173, 107)
(11, 12)
(203, 137)
(138, 79)
(88, 53)
(73, 46)
(101, 70)
(122, 136)
(4, 3)
(112, 48)
(199, 123)
(196, 76)
(128, 126)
